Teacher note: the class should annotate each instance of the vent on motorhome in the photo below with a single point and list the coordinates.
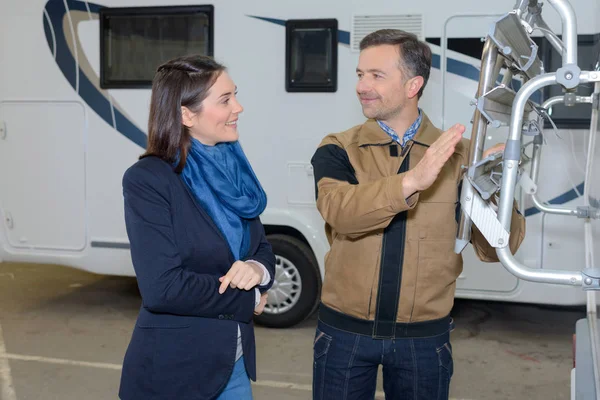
(362, 25)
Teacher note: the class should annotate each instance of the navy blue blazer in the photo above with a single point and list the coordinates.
(184, 342)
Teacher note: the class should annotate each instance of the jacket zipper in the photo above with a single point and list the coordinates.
(406, 162)
(383, 245)
(402, 222)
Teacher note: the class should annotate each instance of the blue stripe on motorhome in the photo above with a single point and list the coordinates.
(64, 58)
(271, 20)
(90, 93)
(48, 33)
(344, 37)
(456, 67)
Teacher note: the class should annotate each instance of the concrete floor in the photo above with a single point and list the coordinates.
(63, 334)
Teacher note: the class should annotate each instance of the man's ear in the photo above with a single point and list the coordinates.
(414, 85)
(187, 117)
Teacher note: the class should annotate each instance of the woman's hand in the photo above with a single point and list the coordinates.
(241, 275)
(261, 306)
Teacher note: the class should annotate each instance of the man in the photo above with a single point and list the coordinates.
(388, 190)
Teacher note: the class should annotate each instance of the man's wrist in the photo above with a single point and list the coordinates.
(408, 185)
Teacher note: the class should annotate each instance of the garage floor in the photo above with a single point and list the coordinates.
(63, 334)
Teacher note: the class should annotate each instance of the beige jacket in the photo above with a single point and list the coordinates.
(390, 255)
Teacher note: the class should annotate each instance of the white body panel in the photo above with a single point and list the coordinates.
(61, 164)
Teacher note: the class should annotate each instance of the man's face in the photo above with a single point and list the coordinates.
(381, 86)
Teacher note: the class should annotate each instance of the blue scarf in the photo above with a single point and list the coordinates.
(222, 180)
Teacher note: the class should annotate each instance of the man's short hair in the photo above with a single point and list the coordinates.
(415, 55)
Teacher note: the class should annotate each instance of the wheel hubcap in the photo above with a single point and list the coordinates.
(286, 289)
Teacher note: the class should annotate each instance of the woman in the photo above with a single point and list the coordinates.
(199, 251)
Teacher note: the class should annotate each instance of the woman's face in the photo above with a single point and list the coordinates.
(217, 120)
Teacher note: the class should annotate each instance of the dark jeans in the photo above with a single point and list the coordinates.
(345, 366)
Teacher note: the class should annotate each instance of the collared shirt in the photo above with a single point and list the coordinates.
(408, 135)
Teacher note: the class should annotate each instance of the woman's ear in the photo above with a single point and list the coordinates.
(187, 117)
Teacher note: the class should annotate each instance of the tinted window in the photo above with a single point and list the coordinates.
(135, 41)
(311, 55)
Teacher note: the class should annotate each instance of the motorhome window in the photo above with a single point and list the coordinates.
(135, 41)
(588, 51)
(311, 55)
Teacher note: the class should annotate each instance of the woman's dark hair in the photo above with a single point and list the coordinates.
(183, 81)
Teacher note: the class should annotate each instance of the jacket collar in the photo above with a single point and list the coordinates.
(371, 134)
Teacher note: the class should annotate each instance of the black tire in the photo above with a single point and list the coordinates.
(299, 254)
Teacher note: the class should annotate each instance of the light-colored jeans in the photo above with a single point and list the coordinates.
(238, 387)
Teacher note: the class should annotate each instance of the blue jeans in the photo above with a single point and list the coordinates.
(238, 387)
(345, 366)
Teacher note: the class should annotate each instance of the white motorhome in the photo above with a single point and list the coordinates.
(74, 94)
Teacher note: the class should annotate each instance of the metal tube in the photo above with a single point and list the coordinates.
(554, 41)
(520, 7)
(552, 101)
(521, 99)
(490, 68)
(542, 238)
(542, 275)
(592, 318)
(589, 249)
(534, 17)
(507, 193)
(510, 165)
(507, 78)
(535, 163)
(589, 245)
(535, 167)
(443, 63)
(533, 11)
(551, 210)
(569, 30)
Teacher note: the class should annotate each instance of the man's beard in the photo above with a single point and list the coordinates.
(381, 112)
